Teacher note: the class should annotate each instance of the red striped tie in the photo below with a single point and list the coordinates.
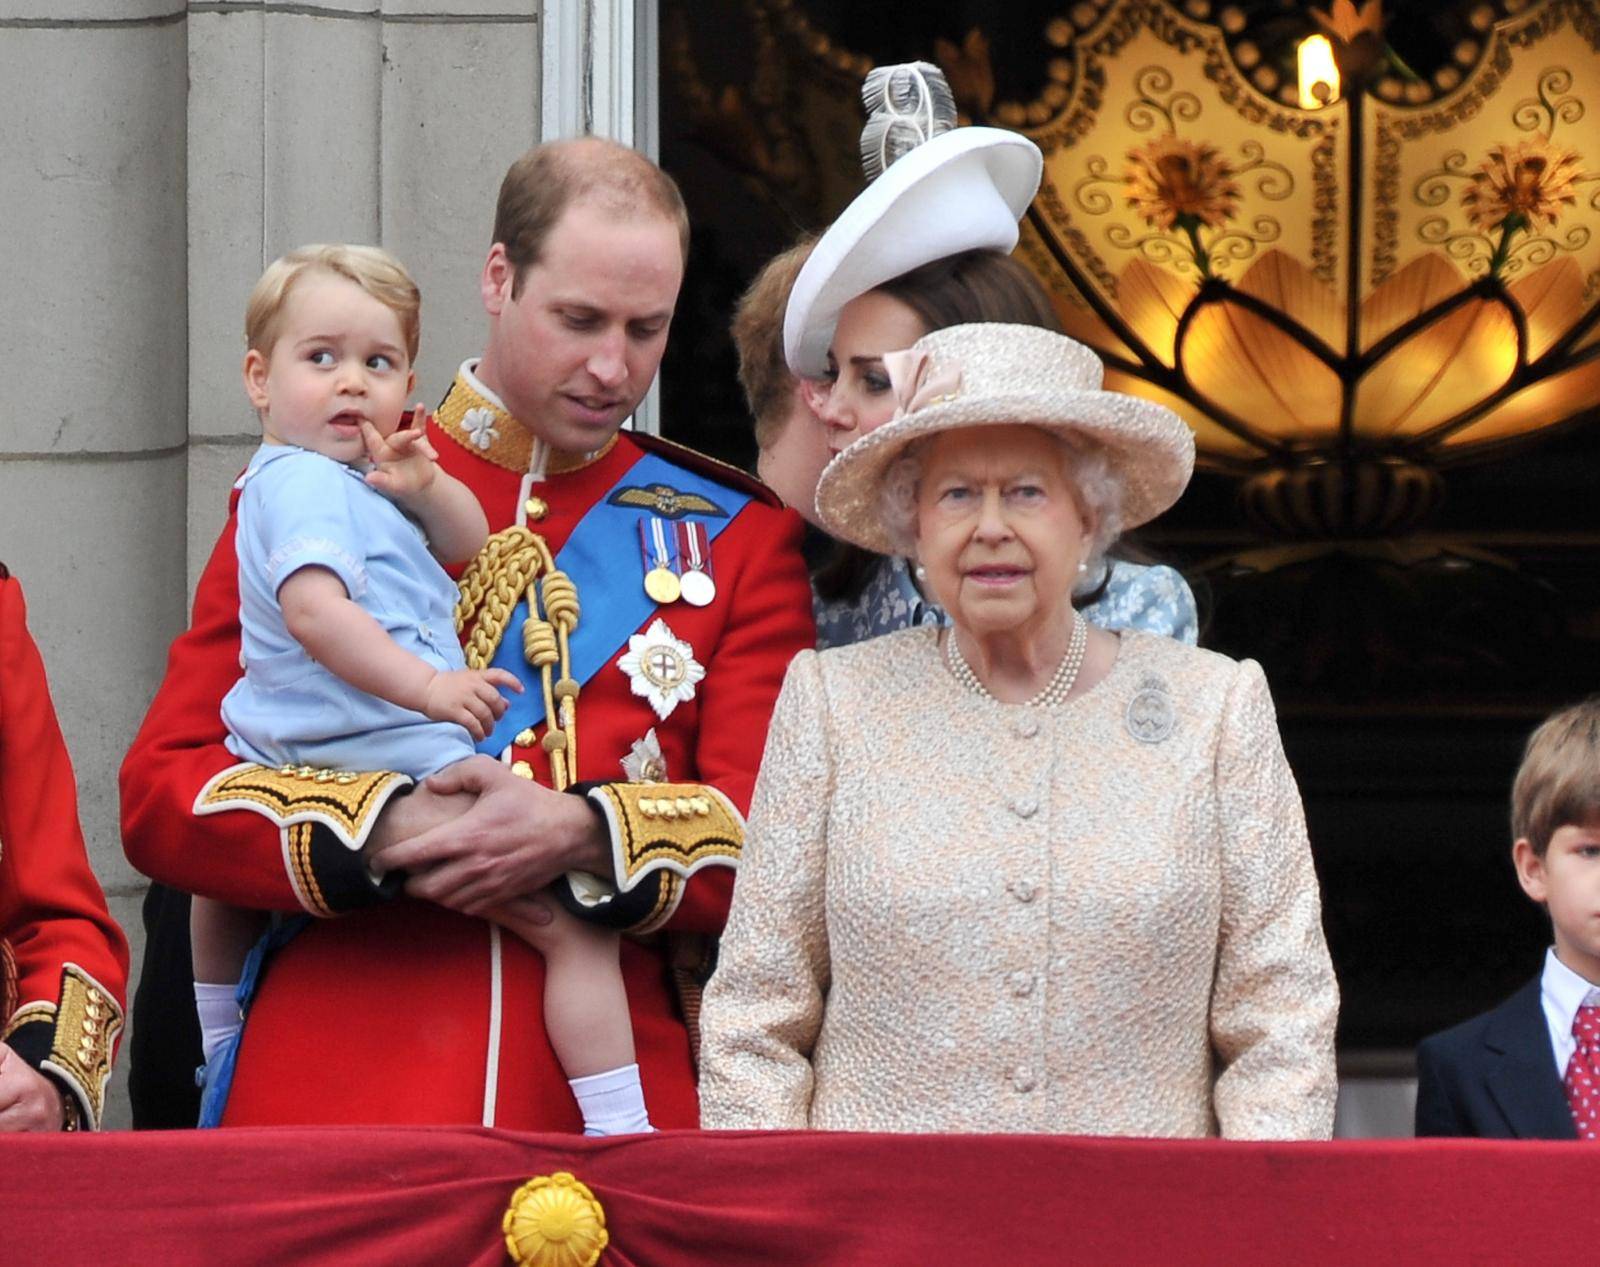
(1583, 1072)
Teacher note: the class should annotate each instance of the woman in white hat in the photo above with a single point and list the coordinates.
(1020, 874)
(927, 245)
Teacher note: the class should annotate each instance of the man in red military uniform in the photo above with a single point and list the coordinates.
(63, 960)
(650, 706)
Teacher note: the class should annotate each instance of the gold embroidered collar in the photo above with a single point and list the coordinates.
(482, 425)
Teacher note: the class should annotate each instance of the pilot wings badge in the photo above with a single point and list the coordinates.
(666, 501)
(661, 667)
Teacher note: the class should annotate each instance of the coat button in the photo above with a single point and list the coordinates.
(1022, 984)
(1023, 890)
(1022, 1078)
(536, 508)
(1024, 807)
(1027, 727)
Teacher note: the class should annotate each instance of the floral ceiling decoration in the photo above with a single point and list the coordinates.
(1343, 301)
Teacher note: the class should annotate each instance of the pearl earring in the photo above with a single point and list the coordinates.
(1082, 567)
(920, 572)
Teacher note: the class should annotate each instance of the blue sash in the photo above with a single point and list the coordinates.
(602, 557)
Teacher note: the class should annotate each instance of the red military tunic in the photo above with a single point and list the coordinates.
(63, 960)
(402, 1011)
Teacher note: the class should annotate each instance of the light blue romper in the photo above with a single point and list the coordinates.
(298, 508)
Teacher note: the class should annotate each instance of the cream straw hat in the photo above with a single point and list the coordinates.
(990, 374)
(938, 190)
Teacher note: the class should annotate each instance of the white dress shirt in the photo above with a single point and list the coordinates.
(1563, 992)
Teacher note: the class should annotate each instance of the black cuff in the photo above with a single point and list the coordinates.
(343, 881)
(621, 910)
(32, 1040)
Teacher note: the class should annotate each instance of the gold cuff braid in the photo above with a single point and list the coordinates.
(88, 1021)
(347, 802)
(673, 827)
(36, 1011)
(8, 980)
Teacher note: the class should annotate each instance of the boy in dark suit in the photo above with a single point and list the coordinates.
(1530, 1068)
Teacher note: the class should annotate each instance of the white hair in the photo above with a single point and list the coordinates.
(1084, 463)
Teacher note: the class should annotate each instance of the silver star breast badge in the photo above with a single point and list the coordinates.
(661, 667)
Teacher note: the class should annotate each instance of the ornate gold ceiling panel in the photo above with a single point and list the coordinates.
(1340, 300)
(1395, 280)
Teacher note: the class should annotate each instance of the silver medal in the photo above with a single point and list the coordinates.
(698, 588)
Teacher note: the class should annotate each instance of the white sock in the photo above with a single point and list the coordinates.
(218, 1007)
(612, 1102)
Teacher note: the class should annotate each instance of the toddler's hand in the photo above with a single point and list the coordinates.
(404, 460)
(468, 698)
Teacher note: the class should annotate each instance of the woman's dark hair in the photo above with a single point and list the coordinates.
(974, 286)
(971, 286)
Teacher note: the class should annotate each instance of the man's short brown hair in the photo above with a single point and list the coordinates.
(1558, 782)
(758, 338)
(549, 178)
(369, 267)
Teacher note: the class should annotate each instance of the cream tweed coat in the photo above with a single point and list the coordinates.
(959, 915)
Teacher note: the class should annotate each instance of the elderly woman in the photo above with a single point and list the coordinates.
(861, 594)
(1022, 874)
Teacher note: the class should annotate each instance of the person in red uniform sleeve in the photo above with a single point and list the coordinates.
(415, 1007)
(63, 960)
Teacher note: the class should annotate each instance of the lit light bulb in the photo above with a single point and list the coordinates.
(1319, 73)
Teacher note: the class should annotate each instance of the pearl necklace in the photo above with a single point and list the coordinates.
(1056, 690)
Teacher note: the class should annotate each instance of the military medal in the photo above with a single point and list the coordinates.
(660, 581)
(644, 762)
(697, 586)
(661, 668)
(662, 586)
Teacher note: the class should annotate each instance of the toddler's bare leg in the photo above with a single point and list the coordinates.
(585, 1013)
(220, 937)
(585, 1005)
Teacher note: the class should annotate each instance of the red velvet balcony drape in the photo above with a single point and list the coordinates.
(437, 1196)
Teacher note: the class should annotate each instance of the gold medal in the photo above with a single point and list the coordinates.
(662, 585)
(660, 577)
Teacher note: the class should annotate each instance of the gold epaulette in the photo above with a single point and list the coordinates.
(673, 827)
(347, 802)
